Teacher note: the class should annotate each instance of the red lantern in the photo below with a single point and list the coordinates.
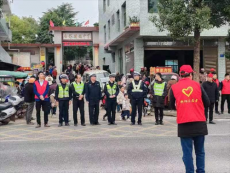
(43, 63)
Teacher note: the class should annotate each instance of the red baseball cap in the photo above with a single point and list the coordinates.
(212, 70)
(210, 75)
(186, 69)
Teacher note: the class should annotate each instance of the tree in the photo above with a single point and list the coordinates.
(183, 18)
(24, 29)
(64, 12)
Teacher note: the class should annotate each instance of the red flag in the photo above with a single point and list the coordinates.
(86, 23)
(51, 23)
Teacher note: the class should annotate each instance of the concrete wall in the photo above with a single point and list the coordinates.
(221, 59)
(22, 59)
(4, 56)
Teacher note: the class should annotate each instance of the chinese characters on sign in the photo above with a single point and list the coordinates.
(77, 43)
(189, 101)
(84, 36)
(42, 54)
(154, 70)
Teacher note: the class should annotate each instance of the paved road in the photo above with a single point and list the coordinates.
(106, 149)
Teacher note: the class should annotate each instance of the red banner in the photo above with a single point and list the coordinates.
(77, 44)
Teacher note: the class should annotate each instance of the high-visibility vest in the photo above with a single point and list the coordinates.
(63, 92)
(78, 87)
(111, 90)
(137, 88)
(158, 89)
(41, 89)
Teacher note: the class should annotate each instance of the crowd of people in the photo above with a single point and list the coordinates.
(193, 101)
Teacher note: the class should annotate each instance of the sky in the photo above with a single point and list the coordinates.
(88, 9)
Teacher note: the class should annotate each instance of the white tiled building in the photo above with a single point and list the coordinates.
(123, 46)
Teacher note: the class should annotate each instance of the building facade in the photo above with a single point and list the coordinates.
(5, 35)
(128, 39)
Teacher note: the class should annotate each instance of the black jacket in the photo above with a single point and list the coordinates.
(158, 101)
(75, 94)
(29, 93)
(107, 93)
(65, 98)
(192, 129)
(137, 95)
(211, 90)
(93, 92)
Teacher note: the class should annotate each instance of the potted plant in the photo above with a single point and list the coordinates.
(134, 21)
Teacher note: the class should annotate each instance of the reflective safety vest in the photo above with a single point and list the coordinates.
(63, 93)
(158, 89)
(41, 89)
(136, 88)
(111, 90)
(78, 87)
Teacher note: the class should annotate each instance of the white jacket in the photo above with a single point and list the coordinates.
(120, 98)
(126, 106)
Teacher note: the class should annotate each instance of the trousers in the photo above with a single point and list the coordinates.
(158, 112)
(210, 109)
(136, 104)
(64, 111)
(111, 109)
(93, 112)
(29, 112)
(78, 104)
(45, 108)
(187, 147)
(223, 98)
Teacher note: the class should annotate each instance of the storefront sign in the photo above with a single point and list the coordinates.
(37, 66)
(77, 43)
(79, 36)
(154, 70)
(42, 54)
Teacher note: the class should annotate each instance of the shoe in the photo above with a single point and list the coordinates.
(104, 119)
(211, 122)
(83, 125)
(156, 123)
(75, 125)
(217, 112)
(222, 113)
(59, 125)
(32, 118)
(30, 123)
(121, 118)
(46, 125)
(92, 124)
(38, 126)
(97, 124)
(132, 124)
(161, 123)
(67, 124)
(140, 124)
(114, 124)
(109, 124)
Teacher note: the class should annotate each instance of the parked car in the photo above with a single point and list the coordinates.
(102, 76)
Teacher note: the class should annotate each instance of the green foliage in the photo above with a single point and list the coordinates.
(26, 27)
(57, 15)
(133, 19)
(96, 24)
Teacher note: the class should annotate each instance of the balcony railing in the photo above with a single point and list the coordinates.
(5, 32)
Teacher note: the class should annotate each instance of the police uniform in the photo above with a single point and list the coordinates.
(77, 90)
(111, 103)
(93, 96)
(137, 91)
(63, 96)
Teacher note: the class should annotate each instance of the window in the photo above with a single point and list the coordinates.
(173, 64)
(105, 34)
(124, 13)
(113, 57)
(104, 61)
(152, 6)
(118, 21)
(109, 30)
(108, 2)
(104, 5)
(113, 19)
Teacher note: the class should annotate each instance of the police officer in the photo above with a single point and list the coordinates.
(137, 91)
(78, 91)
(190, 99)
(111, 91)
(63, 97)
(93, 97)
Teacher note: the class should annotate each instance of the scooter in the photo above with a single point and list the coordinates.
(7, 113)
(19, 105)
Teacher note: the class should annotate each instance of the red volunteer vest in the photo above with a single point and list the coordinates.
(189, 104)
(226, 87)
(41, 89)
(217, 82)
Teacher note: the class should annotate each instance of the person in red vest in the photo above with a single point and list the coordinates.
(218, 87)
(41, 89)
(190, 99)
(225, 92)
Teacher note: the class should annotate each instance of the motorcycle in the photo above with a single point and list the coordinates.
(19, 105)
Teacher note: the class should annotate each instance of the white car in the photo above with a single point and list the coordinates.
(102, 76)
